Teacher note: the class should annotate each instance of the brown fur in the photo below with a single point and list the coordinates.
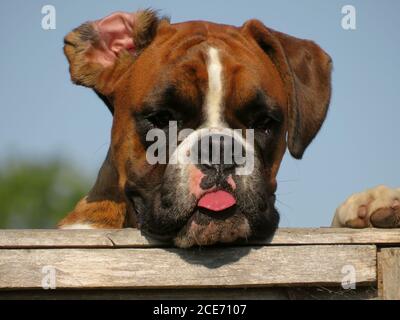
(306, 70)
(300, 83)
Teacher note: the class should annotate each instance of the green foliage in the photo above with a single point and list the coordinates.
(36, 194)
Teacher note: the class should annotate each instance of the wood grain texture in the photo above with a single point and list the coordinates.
(132, 238)
(281, 293)
(197, 268)
(389, 273)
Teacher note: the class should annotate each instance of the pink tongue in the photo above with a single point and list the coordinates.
(217, 201)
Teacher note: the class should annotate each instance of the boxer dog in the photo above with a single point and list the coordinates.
(199, 75)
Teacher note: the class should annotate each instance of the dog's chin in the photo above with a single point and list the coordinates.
(202, 227)
(206, 228)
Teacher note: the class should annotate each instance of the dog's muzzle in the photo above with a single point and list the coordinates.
(212, 191)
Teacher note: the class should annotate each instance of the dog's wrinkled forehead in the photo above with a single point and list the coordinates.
(197, 92)
(209, 85)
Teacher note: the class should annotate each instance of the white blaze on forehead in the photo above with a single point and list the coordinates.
(213, 101)
(214, 124)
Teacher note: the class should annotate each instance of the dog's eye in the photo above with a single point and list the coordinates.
(264, 123)
(160, 119)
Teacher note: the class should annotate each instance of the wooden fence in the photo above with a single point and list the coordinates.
(321, 263)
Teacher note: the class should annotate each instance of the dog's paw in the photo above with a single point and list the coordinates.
(378, 207)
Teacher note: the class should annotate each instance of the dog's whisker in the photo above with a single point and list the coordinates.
(290, 180)
(286, 205)
(285, 193)
(99, 148)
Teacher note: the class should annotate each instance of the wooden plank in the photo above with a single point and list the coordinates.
(134, 239)
(335, 236)
(53, 238)
(197, 268)
(270, 293)
(389, 273)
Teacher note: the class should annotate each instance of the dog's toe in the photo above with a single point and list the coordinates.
(361, 220)
(387, 217)
(356, 223)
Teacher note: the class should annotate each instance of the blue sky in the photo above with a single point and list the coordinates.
(43, 114)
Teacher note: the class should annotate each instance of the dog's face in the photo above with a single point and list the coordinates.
(201, 80)
(197, 75)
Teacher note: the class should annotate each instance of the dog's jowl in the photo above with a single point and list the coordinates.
(232, 93)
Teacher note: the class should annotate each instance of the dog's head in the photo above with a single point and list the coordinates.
(176, 91)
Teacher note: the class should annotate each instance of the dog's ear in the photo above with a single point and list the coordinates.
(306, 72)
(100, 51)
